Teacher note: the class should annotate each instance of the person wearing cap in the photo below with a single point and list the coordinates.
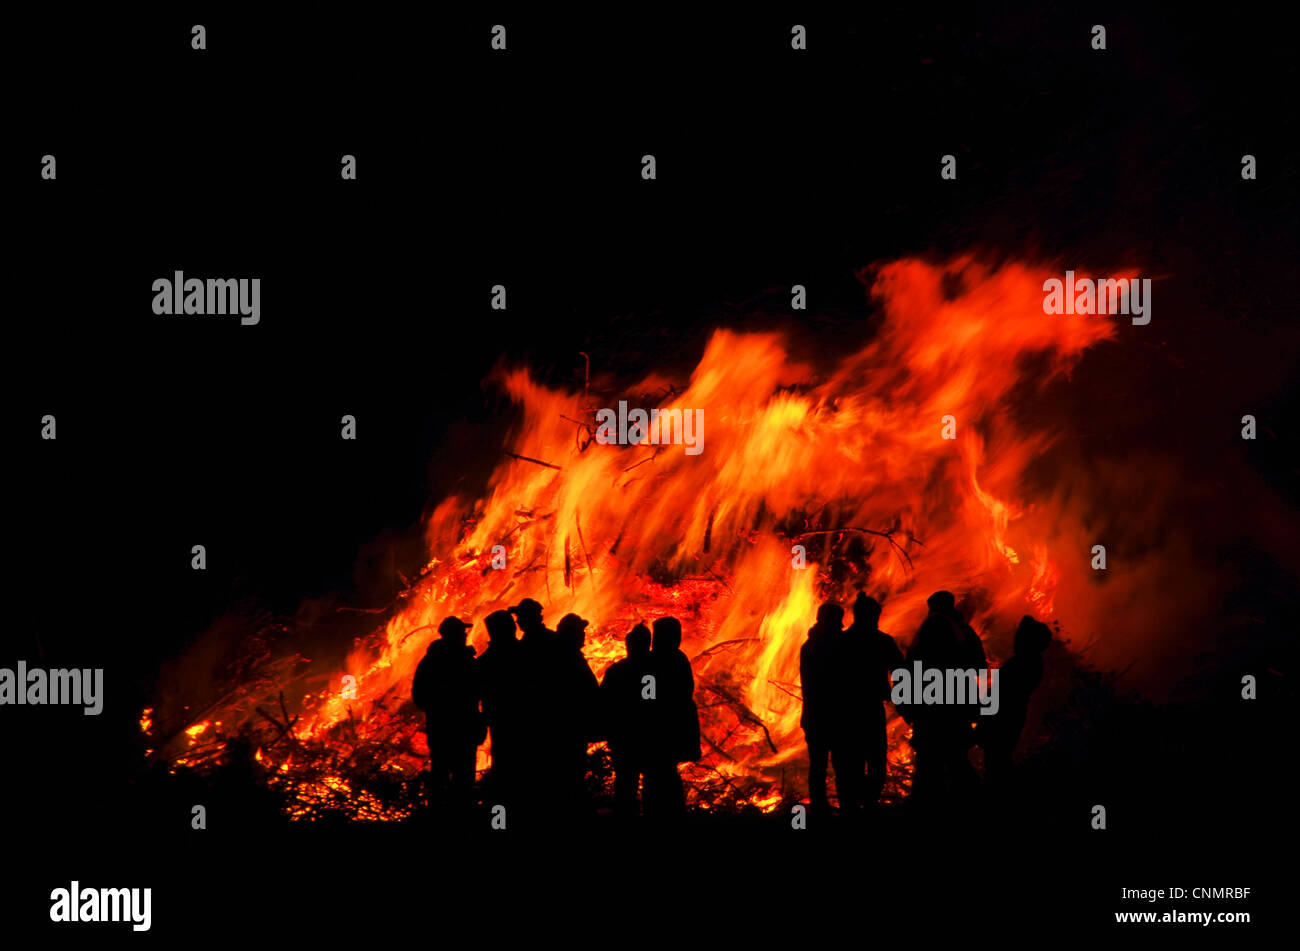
(538, 642)
(499, 671)
(529, 615)
(445, 689)
(537, 705)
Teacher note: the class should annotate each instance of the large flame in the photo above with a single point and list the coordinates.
(852, 464)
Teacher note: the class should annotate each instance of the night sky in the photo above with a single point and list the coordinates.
(523, 168)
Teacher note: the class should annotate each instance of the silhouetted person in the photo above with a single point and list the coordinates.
(1017, 680)
(446, 690)
(970, 654)
(629, 718)
(869, 657)
(538, 641)
(939, 731)
(822, 704)
(943, 734)
(500, 672)
(538, 743)
(677, 721)
(576, 695)
(970, 649)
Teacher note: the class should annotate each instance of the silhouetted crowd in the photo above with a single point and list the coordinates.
(538, 698)
(846, 678)
(542, 704)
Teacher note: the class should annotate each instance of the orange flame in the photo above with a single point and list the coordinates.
(851, 464)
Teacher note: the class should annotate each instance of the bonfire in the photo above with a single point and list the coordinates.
(899, 470)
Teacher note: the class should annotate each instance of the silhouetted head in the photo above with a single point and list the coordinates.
(572, 631)
(1032, 636)
(668, 634)
(638, 641)
(936, 639)
(942, 602)
(454, 629)
(529, 614)
(866, 611)
(830, 615)
(500, 627)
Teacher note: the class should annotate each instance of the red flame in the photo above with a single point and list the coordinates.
(849, 463)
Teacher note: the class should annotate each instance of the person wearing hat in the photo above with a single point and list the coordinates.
(537, 747)
(499, 679)
(445, 689)
(538, 639)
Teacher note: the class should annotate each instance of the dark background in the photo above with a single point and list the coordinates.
(523, 168)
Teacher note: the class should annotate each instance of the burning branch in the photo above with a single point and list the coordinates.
(886, 535)
(787, 688)
(286, 728)
(422, 627)
(714, 648)
(528, 520)
(716, 747)
(649, 458)
(722, 581)
(577, 433)
(515, 455)
(591, 575)
(529, 566)
(738, 707)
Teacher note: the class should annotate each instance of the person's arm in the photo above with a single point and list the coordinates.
(893, 656)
